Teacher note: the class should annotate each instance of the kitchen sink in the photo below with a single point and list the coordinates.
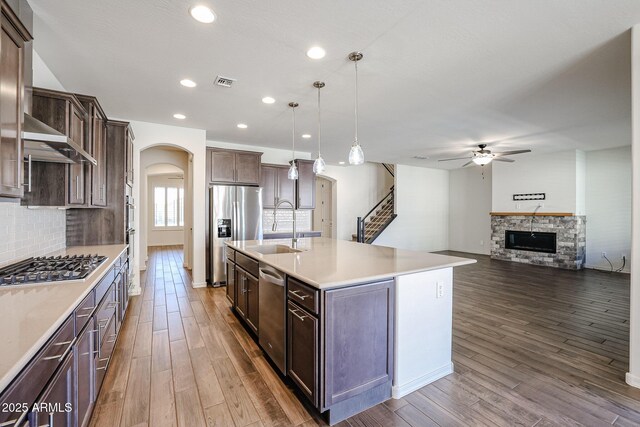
(273, 249)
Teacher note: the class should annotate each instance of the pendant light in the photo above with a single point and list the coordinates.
(318, 165)
(293, 170)
(356, 155)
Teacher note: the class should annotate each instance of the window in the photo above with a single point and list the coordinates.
(168, 207)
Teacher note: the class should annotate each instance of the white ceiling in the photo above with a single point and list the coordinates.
(437, 77)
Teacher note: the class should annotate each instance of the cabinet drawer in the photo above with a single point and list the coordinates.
(106, 310)
(105, 350)
(105, 284)
(249, 264)
(32, 380)
(304, 295)
(82, 314)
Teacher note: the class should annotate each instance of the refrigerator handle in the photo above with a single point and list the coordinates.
(234, 221)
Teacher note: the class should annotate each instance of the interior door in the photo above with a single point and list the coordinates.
(323, 213)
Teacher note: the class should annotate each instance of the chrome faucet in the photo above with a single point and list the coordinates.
(274, 227)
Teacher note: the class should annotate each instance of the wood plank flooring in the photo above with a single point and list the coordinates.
(533, 346)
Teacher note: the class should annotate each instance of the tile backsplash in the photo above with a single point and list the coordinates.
(285, 220)
(29, 232)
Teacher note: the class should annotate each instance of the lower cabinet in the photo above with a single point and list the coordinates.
(55, 405)
(231, 282)
(59, 386)
(247, 298)
(302, 350)
(84, 354)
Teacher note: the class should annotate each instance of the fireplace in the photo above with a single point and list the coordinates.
(530, 241)
(559, 239)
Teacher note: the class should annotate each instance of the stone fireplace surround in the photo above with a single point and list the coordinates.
(570, 234)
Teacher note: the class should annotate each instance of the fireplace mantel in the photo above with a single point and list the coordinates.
(531, 214)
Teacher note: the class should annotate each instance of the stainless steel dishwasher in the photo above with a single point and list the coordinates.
(272, 314)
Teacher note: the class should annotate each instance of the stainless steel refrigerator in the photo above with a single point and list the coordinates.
(235, 213)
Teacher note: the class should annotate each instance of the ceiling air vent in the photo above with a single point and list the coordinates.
(421, 157)
(224, 81)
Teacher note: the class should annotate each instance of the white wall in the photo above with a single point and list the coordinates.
(163, 236)
(422, 205)
(558, 175)
(43, 76)
(633, 376)
(194, 141)
(608, 200)
(269, 155)
(357, 189)
(469, 208)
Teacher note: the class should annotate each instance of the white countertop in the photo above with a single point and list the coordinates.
(32, 313)
(327, 263)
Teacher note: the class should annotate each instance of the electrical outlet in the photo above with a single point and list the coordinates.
(604, 254)
(623, 255)
(481, 242)
(518, 205)
(439, 289)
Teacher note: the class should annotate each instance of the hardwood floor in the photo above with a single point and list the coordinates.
(532, 346)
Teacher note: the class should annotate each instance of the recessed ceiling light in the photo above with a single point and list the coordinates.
(188, 83)
(242, 126)
(268, 100)
(316, 52)
(202, 14)
(306, 136)
(179, 116)
(341, 163)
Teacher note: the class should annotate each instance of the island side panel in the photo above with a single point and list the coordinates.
(423, 331)
(358, 347)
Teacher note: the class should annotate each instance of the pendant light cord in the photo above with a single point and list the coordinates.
(293, 135)
(319, 136)
(356, 101)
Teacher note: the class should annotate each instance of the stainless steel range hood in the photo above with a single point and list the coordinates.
(45, 144)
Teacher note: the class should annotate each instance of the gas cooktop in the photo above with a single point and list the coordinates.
(50, 269)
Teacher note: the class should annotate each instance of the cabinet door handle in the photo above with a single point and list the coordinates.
(61, 357)
(297, 294)
(295, 313)
(28, 184)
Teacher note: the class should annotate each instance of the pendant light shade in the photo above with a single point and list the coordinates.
(319, 164)
(293, 170)
(356, 155)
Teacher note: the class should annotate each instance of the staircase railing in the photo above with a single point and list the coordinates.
(390, 168)
(363, 221)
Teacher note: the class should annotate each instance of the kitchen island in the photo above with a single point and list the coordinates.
(363, 323)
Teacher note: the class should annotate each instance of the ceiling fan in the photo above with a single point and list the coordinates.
(483, 157)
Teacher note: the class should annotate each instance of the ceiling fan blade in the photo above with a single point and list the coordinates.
(455, 158)
(503, 159)
(470, 162)
(509, 153)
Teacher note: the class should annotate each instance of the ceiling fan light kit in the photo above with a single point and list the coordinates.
(483, 157)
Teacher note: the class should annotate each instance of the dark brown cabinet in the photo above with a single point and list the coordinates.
(305, 185)
(276, 186)
(231, 282)
(231, 166)
(302, 350)
(247, 297)
(85, 396)
(96, 145)
(129, 156)
(55, 405)
(12, 42)
(58, 184)
(241, 295)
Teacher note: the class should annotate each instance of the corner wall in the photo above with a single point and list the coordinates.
(469, 208)
(422, 205)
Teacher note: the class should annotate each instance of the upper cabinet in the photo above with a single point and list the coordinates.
(129, 155)
(96, 145)
(12, 44)
(305, 185)
(276, 186)
(233, 167)
(59, 184)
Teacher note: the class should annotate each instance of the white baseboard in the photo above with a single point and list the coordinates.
(398, 391)
(632, 380)
(607, 269)
(198, 284)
